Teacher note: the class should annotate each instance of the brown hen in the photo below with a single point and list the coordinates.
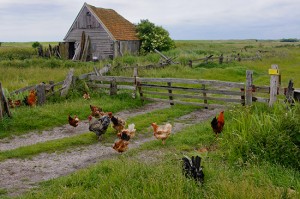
(162, 132)
(117, 123)
(121, 145)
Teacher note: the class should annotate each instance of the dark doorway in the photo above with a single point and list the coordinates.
(71, 50)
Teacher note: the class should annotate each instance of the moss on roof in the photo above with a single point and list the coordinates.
(117, 25)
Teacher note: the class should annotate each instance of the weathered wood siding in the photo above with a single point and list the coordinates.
(126, 47)
(102, 46)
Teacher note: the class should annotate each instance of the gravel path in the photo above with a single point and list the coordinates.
(21, 175)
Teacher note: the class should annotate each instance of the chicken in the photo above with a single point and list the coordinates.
(192, 168)
(218, 124)
(121, 145)
(31, 99)
(162, 132)
(96, 111)
(10, 103)
(127, 134)
(86, 95)
(117, 123)
(17, 102)
(73, 121)
(99, 125)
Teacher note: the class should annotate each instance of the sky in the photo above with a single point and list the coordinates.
(45, 21)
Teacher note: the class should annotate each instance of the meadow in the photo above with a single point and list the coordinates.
(255, 157)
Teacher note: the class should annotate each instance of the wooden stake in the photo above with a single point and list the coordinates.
(274, 83)
(249, 83)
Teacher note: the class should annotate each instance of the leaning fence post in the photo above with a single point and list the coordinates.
(274, 83)
(4, 108)
(249, 82)
(67, 83)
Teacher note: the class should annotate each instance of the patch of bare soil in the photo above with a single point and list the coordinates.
(18, 176)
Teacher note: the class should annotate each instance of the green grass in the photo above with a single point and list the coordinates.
(141, 122)
(154, 171)
(25, 119)
(255, 157)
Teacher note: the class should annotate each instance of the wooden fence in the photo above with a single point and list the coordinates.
(205, 93)
(221, 59)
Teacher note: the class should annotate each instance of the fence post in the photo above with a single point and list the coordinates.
(170, 94)
(274, 83)
(67, 83)
(249, 82)
(138, 83)
(190, 64)
(289, 93)
(113, 87)
(221, 59)
(51, 83)
(135, 75)
(4, 108)
(41, 94)
(204, 95)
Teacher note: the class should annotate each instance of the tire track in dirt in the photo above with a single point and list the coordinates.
(69, 131)
(21, 175)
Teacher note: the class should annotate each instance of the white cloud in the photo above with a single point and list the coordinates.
(193, 19)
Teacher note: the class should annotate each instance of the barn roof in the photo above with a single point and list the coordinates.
(118, 26)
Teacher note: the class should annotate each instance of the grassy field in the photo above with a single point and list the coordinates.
(255, 157)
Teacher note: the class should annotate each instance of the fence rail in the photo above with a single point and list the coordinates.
(200, 92)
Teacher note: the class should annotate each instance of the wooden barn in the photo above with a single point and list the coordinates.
(99, 33)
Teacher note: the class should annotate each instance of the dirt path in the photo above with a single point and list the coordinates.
(21, 175)
(67, 130)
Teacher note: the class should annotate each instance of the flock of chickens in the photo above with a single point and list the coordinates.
(99, 122)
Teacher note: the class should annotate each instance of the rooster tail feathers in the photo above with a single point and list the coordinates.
(186, 166)
(214, 122)
(198, 162)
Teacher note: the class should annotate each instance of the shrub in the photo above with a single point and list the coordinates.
(153, 37)
(36, 44)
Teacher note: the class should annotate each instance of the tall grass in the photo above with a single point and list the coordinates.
(263, 133)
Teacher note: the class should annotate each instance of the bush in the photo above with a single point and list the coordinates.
(153, 37)
(289, 40)
(36, 44)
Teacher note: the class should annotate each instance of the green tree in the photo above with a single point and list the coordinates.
(153, 37)
(36, 44)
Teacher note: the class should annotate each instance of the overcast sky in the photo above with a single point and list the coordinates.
(41, 20)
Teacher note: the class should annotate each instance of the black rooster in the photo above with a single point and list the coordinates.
(192, 168)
